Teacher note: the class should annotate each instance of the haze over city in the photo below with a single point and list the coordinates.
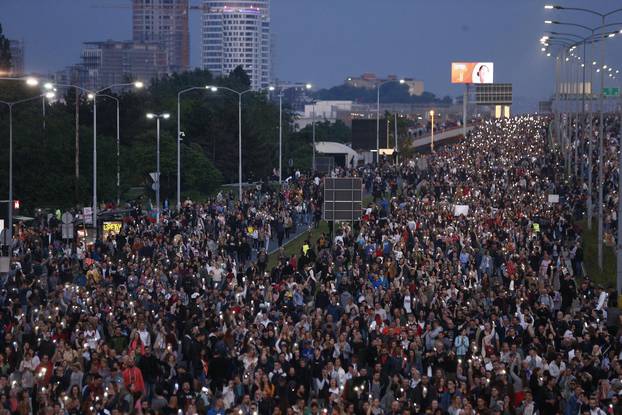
(324, 41)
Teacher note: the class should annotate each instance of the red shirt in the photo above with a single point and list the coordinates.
(133, 379)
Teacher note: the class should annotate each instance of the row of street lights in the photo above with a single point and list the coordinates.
(240, 94)
(568, 43)
(10, 105)
(51, 88)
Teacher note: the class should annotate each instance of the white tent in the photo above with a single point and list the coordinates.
(331, 147)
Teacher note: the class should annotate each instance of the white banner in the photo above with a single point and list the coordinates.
(461, 210)
(87, 214)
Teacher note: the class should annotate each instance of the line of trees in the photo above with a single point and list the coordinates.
(391, 92)
(44, 147)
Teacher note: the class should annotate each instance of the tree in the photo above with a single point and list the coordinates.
(240, 77)
(391, 92)
(5, 53)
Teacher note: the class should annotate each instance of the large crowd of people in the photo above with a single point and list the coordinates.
(460, 291)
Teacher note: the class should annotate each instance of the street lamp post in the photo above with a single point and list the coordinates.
(432, 132)
(118, 149)
(395, 143)
(180, 134)
(313, 137)
(158, 117)
(601, 131)
(94, 97)
(401, 81)
(281, 89)
(240, 95)
(619, 236)
(10, 105)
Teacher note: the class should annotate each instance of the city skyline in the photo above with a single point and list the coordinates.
(400, 38)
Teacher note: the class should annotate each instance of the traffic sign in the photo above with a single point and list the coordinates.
(154, 176)
(154, 186)
(67, 217)
(67, 230)
(611, 92)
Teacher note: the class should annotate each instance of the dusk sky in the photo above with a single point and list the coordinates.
(324, 41)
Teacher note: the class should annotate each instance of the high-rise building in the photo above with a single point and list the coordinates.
(114, 62)
(165, 22)
(17, 57)
(237, 33)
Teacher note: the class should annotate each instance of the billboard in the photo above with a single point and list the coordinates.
(472, 72)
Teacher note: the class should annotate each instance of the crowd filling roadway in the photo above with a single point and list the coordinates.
(460, 291)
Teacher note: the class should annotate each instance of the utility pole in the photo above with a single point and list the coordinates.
(77, 152)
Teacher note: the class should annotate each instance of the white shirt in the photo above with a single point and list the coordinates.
(145, 337)
(92, 337)
(556, 370)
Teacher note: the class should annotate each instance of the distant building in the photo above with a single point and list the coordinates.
(371, 81)
(17, 57)
(113, 62)
(327, 109)
(164, 22)
(324, 111)
(237, 33)
(348, 112)
(73, 75)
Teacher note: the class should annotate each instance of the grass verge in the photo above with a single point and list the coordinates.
(607, 276)
(294, 246)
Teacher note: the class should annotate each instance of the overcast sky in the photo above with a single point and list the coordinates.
(324, 41)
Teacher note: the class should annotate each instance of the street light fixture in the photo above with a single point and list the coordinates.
(401, 81)
(180, 134)
(158, 117)
(240, 95)
(282, 88)
(432, 132)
